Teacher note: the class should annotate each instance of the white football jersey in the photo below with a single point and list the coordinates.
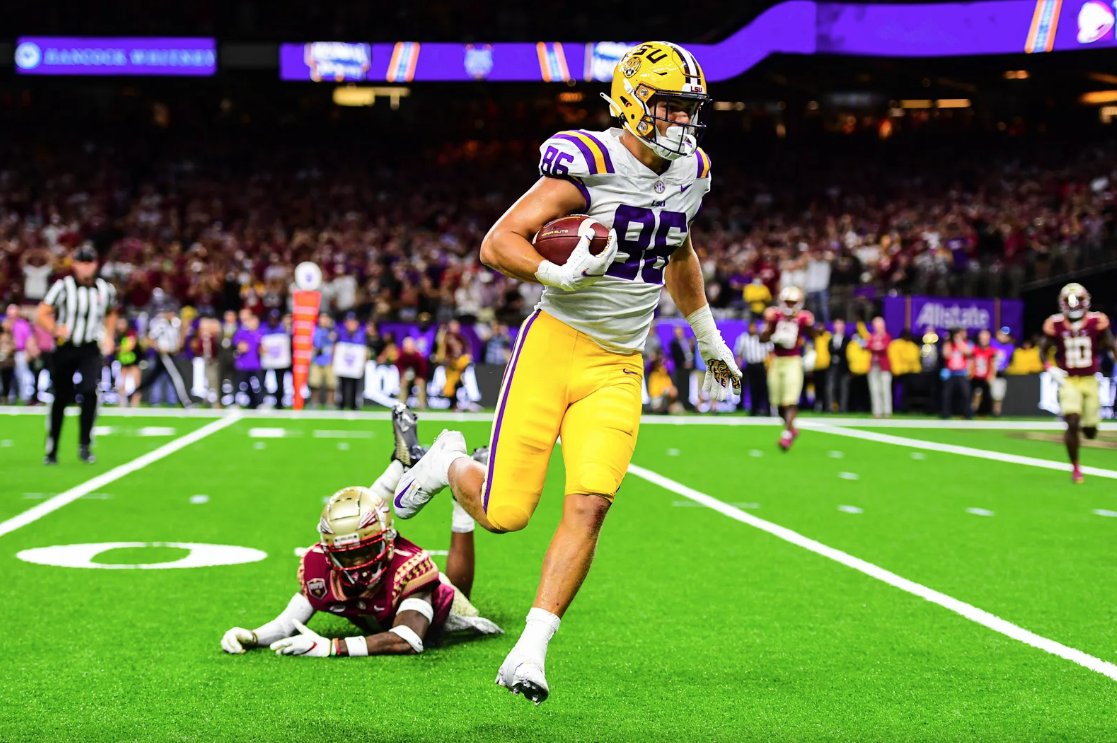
(651, 214)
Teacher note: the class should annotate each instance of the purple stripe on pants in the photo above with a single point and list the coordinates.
(586, 152)
(604, 150)
(520, 341)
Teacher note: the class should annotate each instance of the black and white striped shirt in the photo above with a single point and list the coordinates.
(750, 350)
(80, 308)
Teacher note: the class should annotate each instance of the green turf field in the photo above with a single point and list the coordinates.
(691, 626)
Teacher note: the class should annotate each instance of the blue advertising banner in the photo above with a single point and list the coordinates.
(86, 55)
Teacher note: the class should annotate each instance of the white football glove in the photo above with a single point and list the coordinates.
(721, 368)
(308, 644)
(1057, 374)
(582, 268)
(237, 640)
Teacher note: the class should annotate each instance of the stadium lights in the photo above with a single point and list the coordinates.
(917, 103)
(354, 95)
(1107, 114)
(571, 96)
(729, 105)
(924, 103)
(1016, 75)
(952, 103)
(1098, 97)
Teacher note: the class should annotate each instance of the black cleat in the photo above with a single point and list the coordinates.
(534, 692)
(85, 455)
(481, 454)
(405, 428)
(50, 459)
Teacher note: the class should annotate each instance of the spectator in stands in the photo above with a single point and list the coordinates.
(7, 365)
(903, 357)
(820, 376)
(860, 361)
(206, 345)
(20, 329)
(984, 373)
(37, 268)
(227, 359)
(682, 363)
(413, 372)
(322, 380)
(128, 347)
(877, 341)
(1026, 358)
(663, 397)
(275, 354)
(957, 355)
(757, 296)
(455, 361)
(246, 342)
(837, 381)
(350, 357)
(817, 282)
(1003, 344)
(498, 345)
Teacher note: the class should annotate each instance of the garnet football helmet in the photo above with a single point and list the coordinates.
(1074, 301)
(653, 73)
(357, 534)
(790, 300)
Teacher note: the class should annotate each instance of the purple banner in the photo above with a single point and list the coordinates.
(55, 55)
(943, 313)
(325, 61)
(791, 27)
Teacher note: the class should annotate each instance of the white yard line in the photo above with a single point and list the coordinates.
(968, 611)
(1048, 424)
(62, 499)
(965, 451)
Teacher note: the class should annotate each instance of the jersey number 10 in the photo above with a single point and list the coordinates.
(1079, 352)
(647, 253)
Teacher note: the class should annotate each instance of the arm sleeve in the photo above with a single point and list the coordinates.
(298, 609)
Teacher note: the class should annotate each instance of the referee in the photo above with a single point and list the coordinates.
(79, 312)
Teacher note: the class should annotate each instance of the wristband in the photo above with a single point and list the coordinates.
(355, 646)
(419, 606)
(702, 322)
(408, 635)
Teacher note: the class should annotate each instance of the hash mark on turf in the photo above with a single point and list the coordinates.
(755, 453)
(5, 443)
(199, 499)
(849, 476)
(343, 446)
(97, 496)
(979, 511)
(918, 455)
(672, 452)
(850, 509)
(152, 431)
(836, 454)
(259, 445)
(1103, 512)
(267, 433)
(103, 430)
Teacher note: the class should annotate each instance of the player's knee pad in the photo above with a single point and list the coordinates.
(1090, 432)
(510, 516)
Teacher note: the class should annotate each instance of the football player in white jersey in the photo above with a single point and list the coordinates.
(577, 369)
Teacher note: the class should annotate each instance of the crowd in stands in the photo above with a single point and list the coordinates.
(191, 231)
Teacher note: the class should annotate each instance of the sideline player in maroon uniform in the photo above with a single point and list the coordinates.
(1080, 338)
(363, 570)
(788, 326)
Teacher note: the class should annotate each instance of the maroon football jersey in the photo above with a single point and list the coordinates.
(1078, 346)
(794, 330)
(410, 570)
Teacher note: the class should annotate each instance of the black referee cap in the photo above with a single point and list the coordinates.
(85, 253)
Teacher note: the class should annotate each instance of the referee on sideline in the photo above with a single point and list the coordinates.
(79, 311)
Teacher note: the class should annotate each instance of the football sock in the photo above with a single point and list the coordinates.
(462, 522)
(540, 628)
(385, 485)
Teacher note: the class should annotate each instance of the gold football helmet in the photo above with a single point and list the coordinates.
(660, 72)
(1074, 301)
(790, 300)
(357, 534)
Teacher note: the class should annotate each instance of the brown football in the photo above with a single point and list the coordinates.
(558, 238)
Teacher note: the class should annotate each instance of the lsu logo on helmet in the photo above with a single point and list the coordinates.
(654, 73)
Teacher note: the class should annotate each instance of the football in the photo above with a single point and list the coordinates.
(557, 239)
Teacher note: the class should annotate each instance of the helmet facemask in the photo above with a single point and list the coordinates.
(357, 535)
(1074, 301)
(674, 140)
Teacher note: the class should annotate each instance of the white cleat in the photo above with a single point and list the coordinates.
(429, 475)
(521, 675)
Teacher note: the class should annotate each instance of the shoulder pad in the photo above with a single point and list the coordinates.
(416, 573)
(575, 153)
(806, 317)
(314, 574)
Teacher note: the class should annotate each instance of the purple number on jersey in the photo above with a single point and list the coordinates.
(651, 249)
(554, 162)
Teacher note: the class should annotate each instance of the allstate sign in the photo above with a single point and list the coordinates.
(944, 313)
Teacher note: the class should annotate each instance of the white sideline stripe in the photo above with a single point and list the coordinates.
(974, 614)
(1045, 424)
(965, 451)
(62, 499)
